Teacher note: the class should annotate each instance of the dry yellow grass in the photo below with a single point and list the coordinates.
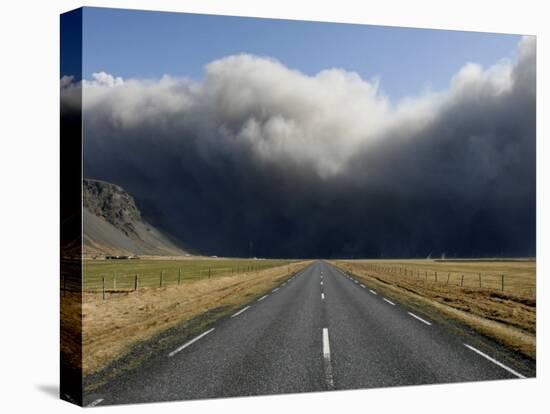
(112, 327)
(519, 275)
(71, 334)
(507, 316)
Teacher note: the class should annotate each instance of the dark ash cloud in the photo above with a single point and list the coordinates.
(261, 160)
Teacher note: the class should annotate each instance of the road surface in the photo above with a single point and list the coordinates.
(320, 330)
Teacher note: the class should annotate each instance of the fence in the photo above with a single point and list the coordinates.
(106, 283)
(482, 280)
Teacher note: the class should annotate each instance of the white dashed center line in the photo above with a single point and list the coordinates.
(262, 298)
(419, 318)
(241, 311)
(363, 286)
(185, 345)
(326, 357)
(373, 292)
(275, 290)
(322, 296)
(494, 361)
(389, 301)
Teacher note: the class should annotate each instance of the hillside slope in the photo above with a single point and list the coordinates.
(113, 225)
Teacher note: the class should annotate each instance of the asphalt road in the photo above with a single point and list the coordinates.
(321, 330)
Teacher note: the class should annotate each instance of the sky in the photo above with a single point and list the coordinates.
(244, 137)
(142, 44)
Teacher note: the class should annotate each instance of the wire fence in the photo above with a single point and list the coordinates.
(498, 281)
(113, 282)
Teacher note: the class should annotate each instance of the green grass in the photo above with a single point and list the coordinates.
(121, 274)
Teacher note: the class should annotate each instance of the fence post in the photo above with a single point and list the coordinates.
(436, 277)
(480, 280)
(103, 279)
(502, 281)
(179, 275)
(462, 281)
(161, 277)
(136, 282)
(209, 272)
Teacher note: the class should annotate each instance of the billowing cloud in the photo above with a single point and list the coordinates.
(264, 160)
(102, 79)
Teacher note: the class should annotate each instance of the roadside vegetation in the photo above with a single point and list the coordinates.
(128, 274)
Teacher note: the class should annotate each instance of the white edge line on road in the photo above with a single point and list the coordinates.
(494, 361)
(241, 311)
(275, 290)
(389, 301)
(322, 296)
(185, 345)
(419, 318)
(373, 292)
(326, 357)
(262, 298)
(94, 403)
(363, 286)
(321, 283)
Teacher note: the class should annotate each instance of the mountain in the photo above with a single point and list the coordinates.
(113, 225)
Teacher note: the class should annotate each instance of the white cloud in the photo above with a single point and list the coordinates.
(102, 79)
(280, 113)
(66, 81)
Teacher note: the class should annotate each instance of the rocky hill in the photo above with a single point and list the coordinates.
(113, 225)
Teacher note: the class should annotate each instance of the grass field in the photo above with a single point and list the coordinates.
(514, 276)
(120, 275)
(469, 291)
